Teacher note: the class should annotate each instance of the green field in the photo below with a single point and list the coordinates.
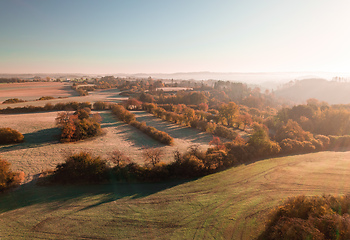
(233, 204)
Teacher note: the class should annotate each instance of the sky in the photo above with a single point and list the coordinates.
(168, 36)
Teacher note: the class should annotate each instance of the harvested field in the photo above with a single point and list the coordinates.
(109, 95)
(233, 204)
(30, 91)
(42, 150)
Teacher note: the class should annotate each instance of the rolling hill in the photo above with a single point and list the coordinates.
(233, 204)
(329, 91)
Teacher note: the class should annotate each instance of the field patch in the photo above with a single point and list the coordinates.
(42, 150)
(30, 91)
(107, 95)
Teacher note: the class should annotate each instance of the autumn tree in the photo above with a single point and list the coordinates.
(228, 112)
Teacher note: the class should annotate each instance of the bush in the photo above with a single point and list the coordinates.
(9, 179)
(13, 100)
(9, 136)
(81, 168)
(301, 217)
(46, 98)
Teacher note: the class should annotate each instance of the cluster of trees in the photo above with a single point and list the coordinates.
(124, 115)
(311, 127)
(318, 117)
(10, 136)
(79, 125)
(301, 217)
(70, 106)
(8, 178)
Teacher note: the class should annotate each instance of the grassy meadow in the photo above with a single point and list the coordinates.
(233, 204)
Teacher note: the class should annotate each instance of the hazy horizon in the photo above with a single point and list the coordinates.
(133, 37)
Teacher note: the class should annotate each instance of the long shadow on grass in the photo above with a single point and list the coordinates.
(134, 135)
(62, 195)
(35, 139)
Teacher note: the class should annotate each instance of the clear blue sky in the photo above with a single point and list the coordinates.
(149, 36)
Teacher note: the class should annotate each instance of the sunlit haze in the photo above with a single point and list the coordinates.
(165, 36)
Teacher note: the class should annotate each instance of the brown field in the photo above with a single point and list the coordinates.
(30, 91)
(109, 95)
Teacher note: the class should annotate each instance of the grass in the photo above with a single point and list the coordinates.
(233, 204)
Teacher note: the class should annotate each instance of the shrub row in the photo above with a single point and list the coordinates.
(48, 107)
(124, 115)
(160, 136)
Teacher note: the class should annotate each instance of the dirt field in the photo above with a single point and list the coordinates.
(30, 91)
(233, 204)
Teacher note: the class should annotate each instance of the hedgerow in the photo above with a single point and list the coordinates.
(70, 106)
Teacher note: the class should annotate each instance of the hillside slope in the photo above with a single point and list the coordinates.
(323, 90)
(233, 204)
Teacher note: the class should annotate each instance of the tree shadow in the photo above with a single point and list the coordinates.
(108, 120)
(134, 135)
(35, 139)
(61, 195)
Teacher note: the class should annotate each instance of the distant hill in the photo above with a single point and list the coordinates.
(321, 89)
